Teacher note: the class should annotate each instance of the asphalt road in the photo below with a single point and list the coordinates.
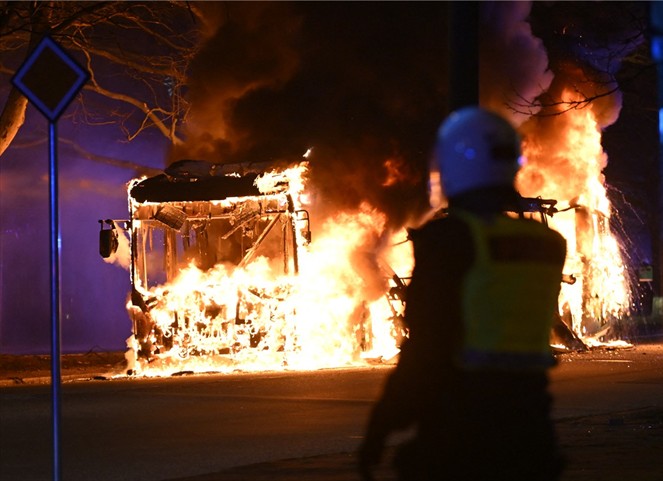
(608, 380)
(165, 429)
(155, 429)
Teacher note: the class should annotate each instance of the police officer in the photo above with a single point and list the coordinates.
(472, 376)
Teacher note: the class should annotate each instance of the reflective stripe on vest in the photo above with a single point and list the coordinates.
(510, 294)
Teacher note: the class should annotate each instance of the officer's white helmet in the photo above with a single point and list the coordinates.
(476, 148)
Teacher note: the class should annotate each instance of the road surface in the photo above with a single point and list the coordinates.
(195, 426)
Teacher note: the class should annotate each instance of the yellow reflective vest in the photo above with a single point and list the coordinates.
(510, 294)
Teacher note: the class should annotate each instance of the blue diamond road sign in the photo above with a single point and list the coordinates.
(50, 78)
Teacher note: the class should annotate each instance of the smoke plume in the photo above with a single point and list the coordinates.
(249, 48)
(514, 67)
(362, 84)
(586, 47)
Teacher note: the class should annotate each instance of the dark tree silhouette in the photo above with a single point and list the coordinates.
(598, 48)
(137, 54)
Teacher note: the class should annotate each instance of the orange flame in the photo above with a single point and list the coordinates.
(334, 312)
(568, 167)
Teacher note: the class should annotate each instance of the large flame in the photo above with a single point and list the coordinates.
(335, 311)
(566, 164)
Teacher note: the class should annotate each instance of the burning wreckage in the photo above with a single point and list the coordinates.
(216, 265)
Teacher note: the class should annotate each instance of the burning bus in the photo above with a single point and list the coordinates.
(216, 276)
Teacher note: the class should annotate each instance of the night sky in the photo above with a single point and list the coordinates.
(361, 83)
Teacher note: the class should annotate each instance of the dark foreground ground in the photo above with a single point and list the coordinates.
(619, 445)
(624, 446)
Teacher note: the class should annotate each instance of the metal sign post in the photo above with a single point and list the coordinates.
(656, 42)
(50, 79)
(55, 244)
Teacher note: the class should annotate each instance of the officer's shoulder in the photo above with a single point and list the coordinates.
(439, 227)
(554, 238)
(535, 224)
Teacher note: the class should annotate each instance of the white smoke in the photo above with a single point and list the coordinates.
(122, 256)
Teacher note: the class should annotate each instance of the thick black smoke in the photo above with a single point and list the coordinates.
(363, 84)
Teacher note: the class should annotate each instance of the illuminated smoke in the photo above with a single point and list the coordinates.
(585, 62)
(250, 47)
(513, 62)
(122, 256)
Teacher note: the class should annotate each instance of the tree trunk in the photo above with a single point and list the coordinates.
(12, 118)
(13, 114)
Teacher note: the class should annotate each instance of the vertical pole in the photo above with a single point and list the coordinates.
(54, 225)
(463, 54)
(656, 32)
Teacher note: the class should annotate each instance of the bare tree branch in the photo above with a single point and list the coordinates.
(589, 54)
(150, 113)
(153, 42)
(540, 108)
